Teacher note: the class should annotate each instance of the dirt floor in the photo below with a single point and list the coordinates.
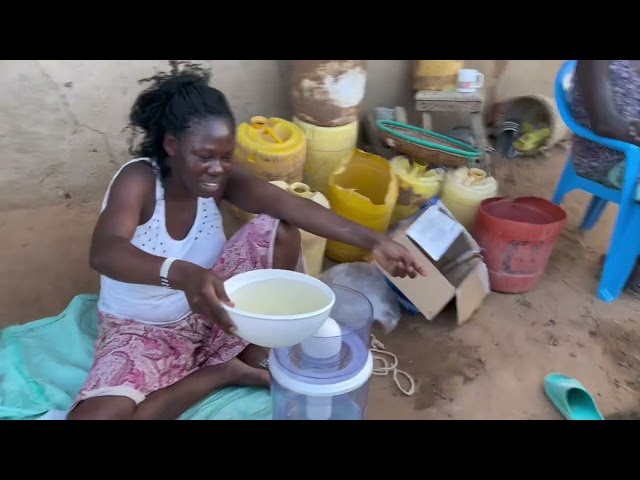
(492, 367)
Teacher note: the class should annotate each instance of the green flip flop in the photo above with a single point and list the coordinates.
(571, 398)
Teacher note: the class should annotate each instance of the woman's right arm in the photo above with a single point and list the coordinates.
(112, 254)
(592, 77)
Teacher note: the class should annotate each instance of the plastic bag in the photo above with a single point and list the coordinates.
(366, 279)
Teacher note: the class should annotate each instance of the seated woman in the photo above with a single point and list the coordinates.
(606, 99)
(165, 341)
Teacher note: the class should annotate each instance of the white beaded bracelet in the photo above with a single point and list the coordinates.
(164, 272)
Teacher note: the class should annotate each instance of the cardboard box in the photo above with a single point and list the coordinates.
(452, 258)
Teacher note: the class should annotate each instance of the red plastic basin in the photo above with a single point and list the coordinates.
(517, 236)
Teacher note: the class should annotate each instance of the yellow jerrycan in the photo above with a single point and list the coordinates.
(273, 149)
(464, 189)
(365, 191)
(313, 247)
(417, 184)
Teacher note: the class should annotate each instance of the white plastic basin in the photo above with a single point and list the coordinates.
(278, 308)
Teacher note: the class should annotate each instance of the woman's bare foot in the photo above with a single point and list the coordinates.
(255, 356)
(240, 373)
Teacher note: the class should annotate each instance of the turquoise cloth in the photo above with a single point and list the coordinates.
(44, 363)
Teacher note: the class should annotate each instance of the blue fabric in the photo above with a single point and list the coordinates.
(44, 363)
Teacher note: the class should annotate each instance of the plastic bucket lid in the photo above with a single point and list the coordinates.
(330, 386)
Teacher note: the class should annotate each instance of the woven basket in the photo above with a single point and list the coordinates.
(536, 109)
(427, 147)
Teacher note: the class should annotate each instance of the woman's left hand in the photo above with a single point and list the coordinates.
(397, 260)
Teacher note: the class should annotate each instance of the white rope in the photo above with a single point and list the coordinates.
(377, 347)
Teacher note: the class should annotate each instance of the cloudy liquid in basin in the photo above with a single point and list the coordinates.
(279, 297)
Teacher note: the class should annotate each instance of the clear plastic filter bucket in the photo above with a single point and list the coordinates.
(326, 376)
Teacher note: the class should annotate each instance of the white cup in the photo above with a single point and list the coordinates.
(470, 80)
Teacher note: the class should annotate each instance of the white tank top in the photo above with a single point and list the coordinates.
(202, 246)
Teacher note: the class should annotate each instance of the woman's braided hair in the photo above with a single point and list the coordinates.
(174, 102)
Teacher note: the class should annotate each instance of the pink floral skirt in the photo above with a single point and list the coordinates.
(134, 359)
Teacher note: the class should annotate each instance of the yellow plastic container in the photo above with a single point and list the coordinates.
(327, 149)
(313, 247)
(439, 75)
(417, 184)
(463, 191)
(365, 191)
(273, 149)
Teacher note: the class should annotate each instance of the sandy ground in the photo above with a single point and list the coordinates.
(492, 367)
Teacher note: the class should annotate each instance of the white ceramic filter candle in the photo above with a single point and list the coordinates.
(325, 343)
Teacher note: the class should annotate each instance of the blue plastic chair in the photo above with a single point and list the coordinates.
(625, 240)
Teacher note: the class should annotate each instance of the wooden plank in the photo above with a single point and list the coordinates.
(445, 106)
(431, 95)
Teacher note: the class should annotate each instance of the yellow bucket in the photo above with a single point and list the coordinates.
(365, 191)
(327, 149)
(436, 75)
(417, 184)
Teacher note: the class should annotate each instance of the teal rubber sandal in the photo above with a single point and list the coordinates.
(570, 397)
